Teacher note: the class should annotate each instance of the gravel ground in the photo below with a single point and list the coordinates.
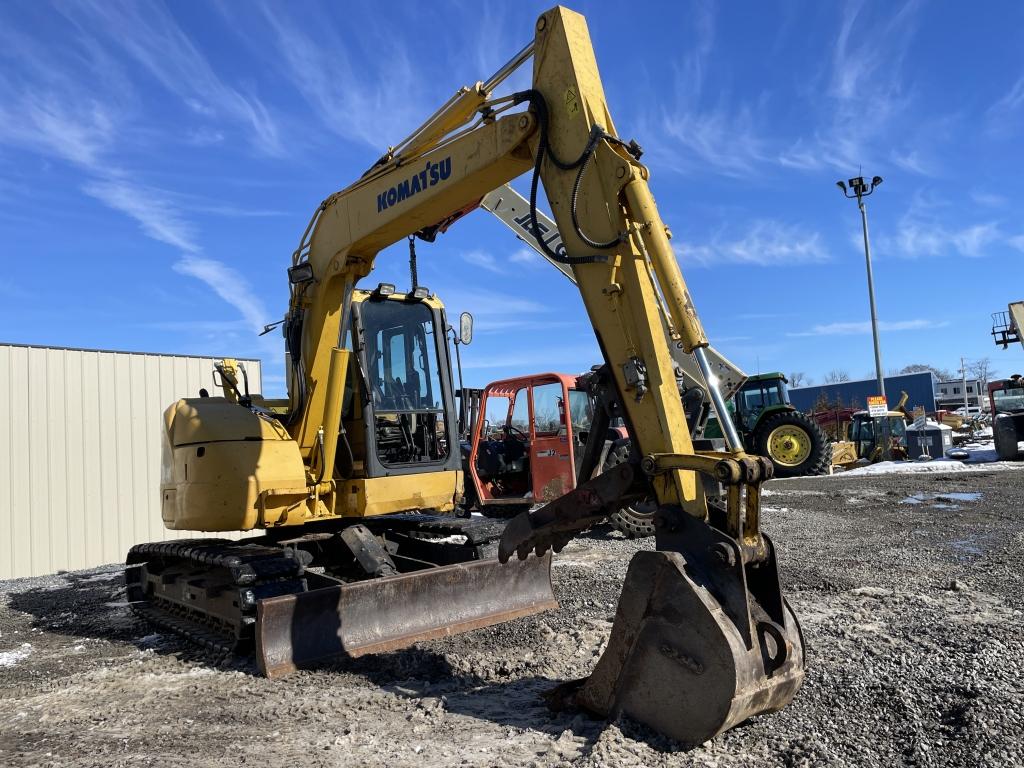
(909, 599)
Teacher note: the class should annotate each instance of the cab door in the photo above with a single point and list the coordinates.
(551, 442)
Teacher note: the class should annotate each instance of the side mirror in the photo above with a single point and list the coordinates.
(465, 328)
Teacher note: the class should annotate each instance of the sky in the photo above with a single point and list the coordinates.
(159, 164)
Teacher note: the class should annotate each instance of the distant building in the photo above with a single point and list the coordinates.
(949, 395)
(920, 387)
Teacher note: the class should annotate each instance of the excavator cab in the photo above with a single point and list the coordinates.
(408, 403)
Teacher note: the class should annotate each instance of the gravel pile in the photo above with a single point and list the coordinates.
(907, 587)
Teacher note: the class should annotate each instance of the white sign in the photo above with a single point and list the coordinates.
(877, 406)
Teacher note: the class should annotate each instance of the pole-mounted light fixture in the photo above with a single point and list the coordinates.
(861, 189)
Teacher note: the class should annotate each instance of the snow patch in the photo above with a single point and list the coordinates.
(938, 465)
(10, 658)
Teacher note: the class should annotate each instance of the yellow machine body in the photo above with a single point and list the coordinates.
(703, 637)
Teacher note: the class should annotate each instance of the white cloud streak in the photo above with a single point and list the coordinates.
(374, 101)
(75, 104)
(158, 218)
(862, 328)
(148, 33)
(923, 231)
(1003, 116)
(484, 261)
(767, 243)
(227, 283)
(852, 116)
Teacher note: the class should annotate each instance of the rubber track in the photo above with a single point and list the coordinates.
(252, 566)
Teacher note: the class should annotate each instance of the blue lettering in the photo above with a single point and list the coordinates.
(431, 174)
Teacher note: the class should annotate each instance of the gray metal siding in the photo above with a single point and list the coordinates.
(80, 452)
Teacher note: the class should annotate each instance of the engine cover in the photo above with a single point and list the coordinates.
(227, 468)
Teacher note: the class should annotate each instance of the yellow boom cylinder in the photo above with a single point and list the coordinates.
(644, 213)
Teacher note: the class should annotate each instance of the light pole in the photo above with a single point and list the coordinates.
(860, 190)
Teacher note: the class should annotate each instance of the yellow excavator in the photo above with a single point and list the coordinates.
(353, 481)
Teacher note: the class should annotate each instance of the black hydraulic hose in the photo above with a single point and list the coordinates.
(348, 450)
(413, 275)
(544, 151)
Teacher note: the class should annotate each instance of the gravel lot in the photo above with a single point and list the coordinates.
(910, 601)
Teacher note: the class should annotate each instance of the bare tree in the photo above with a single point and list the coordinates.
(981, 369)
(799, 379)
(836, 376)
(942, 374)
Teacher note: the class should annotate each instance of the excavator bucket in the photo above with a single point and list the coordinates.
(677, 662)
(702, 638)
(385, 614)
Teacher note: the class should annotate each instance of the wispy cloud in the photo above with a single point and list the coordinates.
(1003, 117)
(862, 328)
(157, 216)
(924, 230)
(373, 101)
(767, 243)
(76, 132)
(527, 256)
(162, 220)
(149, 34)
(227, 283)
(47, 104)
(988, 199)
(483, 260)
(497, 312)
(686, 133)
(854, 113)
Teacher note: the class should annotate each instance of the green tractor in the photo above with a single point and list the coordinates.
(771, 427)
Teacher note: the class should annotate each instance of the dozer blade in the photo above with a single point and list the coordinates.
(677, 662)
(386, 614)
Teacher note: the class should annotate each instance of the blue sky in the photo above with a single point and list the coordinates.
(158, 164)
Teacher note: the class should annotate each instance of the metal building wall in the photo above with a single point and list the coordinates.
(920, 387)
(80, 452)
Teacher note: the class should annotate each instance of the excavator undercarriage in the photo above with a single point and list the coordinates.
(342, 590)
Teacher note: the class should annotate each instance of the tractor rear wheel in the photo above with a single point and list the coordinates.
(636, 520)
(795, 444)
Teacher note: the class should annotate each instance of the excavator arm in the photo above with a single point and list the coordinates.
(703, 638)
(513, 210)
